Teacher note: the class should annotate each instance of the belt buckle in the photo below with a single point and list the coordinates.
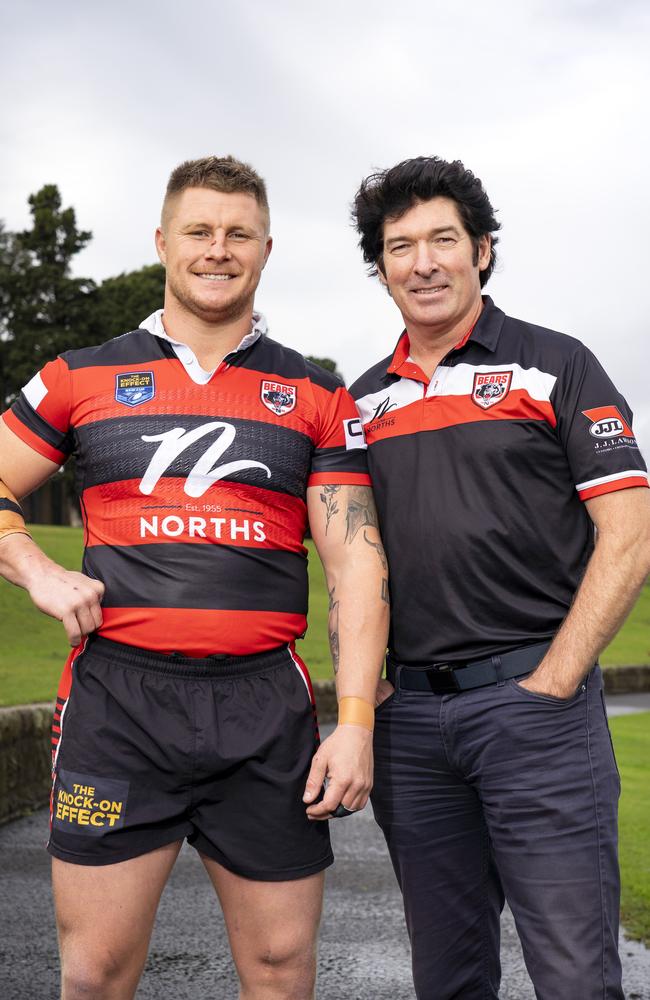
(447, 670)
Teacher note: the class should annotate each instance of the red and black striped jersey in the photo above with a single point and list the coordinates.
(478, 476)
(193, 496)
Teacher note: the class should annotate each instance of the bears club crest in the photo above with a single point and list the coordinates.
(490, 388)
(279, 399)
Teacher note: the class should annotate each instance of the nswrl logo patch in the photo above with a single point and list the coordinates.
(134, 388)
(86, 805)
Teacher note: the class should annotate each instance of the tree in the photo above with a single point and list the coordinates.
(44, 310)
(327, 364)
(121, 303)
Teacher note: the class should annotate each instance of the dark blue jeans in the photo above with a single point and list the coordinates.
(493, 792)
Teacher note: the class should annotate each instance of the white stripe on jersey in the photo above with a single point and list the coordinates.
(632, 474)
(300, 671)
(459, 380)
(35, 391)
(377, 405)
(452, 381)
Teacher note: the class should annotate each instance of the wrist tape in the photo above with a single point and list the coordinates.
(12, 521)
(356, 712)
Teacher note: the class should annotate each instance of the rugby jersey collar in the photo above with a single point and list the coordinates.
(486, 332)
(154, 324)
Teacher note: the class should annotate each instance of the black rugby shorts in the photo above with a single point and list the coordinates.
(151, 749)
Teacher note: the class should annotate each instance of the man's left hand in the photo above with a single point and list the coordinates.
(540, 685)
(345, 759)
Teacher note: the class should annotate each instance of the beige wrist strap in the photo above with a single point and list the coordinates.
(356, 712)
(12, 521)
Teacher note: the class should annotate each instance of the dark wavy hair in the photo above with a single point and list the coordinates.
(388, 194)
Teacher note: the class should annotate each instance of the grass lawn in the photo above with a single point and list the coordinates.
(34, 647)
(631, 736)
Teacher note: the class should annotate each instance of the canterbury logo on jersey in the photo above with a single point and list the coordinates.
(204, 472)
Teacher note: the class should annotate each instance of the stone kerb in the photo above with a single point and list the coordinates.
(25, 776)
(25, 759)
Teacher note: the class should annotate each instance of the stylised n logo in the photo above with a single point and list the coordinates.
(204, 473)
(383, 408)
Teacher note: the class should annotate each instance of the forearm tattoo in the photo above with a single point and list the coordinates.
(328, 497)
(379, 547)
(361, 511)
(333, 629)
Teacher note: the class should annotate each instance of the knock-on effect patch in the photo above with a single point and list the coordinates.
(134, 388)
(490, 388)
(278, 398)
(87, 805)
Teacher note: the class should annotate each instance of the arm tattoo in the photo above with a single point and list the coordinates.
(380, 550)
(361, 511)
(333, 629)
(328, 497)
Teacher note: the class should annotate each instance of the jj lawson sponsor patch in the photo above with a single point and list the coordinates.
(86, 805)
(134, 388)
(607, 422)
(490, 388)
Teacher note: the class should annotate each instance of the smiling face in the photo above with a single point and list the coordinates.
(213, 246)
(431, 268)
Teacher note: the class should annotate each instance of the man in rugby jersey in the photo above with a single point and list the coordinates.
(184, 711)
(495, 447)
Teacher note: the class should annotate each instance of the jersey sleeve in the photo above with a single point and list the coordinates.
(340, 450)
(594, 423)
(40, 416)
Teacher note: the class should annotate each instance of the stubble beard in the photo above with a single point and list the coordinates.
(227, 313)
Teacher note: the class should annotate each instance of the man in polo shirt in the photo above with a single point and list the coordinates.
(496, 448)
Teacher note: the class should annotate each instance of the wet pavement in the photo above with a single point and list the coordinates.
(363, 951)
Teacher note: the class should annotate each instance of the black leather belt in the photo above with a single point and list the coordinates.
(444, 678)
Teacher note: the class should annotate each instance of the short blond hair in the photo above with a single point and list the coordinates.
(221, 173)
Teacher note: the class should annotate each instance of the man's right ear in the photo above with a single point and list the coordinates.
(381, 275)
(161, 246)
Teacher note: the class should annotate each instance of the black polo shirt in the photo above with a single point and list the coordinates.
(479, 478)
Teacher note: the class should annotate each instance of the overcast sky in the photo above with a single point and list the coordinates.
(547, 102)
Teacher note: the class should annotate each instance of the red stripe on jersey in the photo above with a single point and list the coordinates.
(231, 393)
(339, 479)
(55, 404)
(437, 412)
(31, 439)
(612, 487)
(201, 632)
(117, 512)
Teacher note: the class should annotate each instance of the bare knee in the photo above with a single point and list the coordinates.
(96, 977)
(282, 967)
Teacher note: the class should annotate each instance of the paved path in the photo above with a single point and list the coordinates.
(363, 946)
(628, 704)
